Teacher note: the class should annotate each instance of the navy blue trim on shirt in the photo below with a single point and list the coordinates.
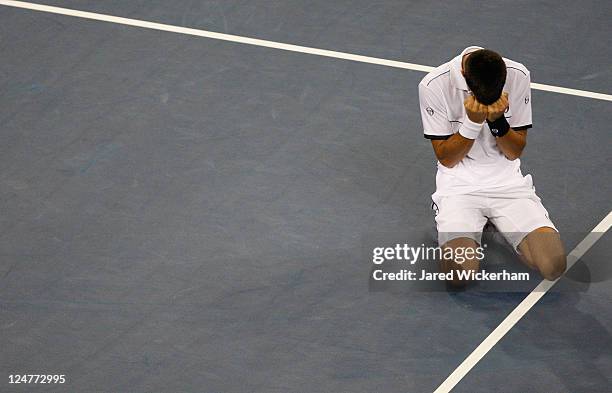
(518, 69)
(437, 137)
(445, 72)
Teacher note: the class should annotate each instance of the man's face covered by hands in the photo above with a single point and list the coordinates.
(497, 109)
(487, 100)
(478, 112)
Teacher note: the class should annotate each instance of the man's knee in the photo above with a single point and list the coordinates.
(546, 252)
(552, 267)
(460, 260)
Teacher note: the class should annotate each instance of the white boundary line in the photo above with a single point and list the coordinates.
(525, 305)
(269, 44)
(522, 309)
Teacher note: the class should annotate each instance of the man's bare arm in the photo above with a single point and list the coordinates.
(452, 150)
(512, 144)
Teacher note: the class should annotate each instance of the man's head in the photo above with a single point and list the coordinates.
(485, 74)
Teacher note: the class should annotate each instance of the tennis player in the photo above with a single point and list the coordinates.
(476, 110)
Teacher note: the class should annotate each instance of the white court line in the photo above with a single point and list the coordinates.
(522, 309)
(525, 305)
(270, 44)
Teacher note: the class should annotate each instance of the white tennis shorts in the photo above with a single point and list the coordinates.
(515, 212)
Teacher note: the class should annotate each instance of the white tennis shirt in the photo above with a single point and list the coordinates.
(485, 168)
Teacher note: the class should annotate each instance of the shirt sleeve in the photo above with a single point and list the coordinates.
(520, 102)
(433, 114)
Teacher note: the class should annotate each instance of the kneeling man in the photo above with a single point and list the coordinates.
(476, 110)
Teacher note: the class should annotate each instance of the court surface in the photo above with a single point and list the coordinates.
(181, 213)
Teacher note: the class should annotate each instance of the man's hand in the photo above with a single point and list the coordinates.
(498, 108)
(475, 111)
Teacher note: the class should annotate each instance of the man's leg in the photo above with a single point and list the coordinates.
(543, 250)
(524, 222)
(459, 221)
(459, 245)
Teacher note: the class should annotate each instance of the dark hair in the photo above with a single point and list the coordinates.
(485, 74)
